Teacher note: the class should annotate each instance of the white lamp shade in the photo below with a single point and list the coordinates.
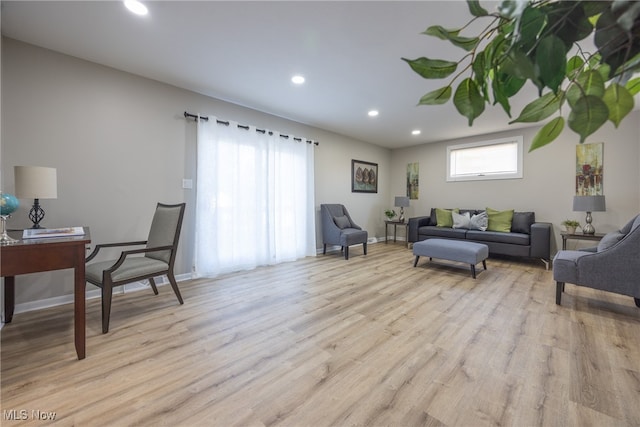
(35, 182)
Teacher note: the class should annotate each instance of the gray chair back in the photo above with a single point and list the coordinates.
(165, 231)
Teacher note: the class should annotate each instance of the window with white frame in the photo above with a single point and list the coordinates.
(495, 159)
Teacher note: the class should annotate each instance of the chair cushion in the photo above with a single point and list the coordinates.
(131, 268)
(627, 227)
(609, 240)
(166, 221)
(353, 236)
(342, 221)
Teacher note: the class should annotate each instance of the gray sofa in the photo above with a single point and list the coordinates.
(527, 238)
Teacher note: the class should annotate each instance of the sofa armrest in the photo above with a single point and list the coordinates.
(541, 240)
(414, 224)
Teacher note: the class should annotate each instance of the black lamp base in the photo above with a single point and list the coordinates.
(36, 214)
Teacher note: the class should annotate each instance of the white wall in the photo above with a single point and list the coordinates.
(548, 185)
(120, 144)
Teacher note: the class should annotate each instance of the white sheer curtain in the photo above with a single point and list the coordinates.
(255, 199)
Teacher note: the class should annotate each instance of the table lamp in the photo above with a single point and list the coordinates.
(35, 182)
(588, 204)
(401, 202)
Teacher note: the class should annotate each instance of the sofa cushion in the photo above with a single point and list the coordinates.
(444, 217)
(342, 221)
(461, 220)
(499, 237)
(522, 221)
(499, 220)
(479, 221)
(609, 240)
(435, 231)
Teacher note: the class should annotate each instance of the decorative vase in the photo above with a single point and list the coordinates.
(8, 204)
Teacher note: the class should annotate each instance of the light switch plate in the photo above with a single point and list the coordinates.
(187, 183)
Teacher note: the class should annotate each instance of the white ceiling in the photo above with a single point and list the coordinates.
(246, 52)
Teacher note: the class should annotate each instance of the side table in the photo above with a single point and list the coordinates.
(579, 236)
(395, 225)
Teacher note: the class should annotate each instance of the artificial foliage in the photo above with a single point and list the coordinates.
(539, 41)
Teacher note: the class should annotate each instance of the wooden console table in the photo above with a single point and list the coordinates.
(46, 254)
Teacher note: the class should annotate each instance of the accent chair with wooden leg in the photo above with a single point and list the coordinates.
(155, 259)
(339, 229)
(614, 266)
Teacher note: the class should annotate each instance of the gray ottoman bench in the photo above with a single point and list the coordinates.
(452, 250)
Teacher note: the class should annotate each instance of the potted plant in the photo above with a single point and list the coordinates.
(390, 214)
(570, 225)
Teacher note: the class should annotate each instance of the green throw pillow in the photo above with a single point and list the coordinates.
(499, 220)
(444, 217)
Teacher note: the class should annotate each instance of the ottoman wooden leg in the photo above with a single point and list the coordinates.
(484, 263)
(416, 261)
(473, 271)
(559, 291)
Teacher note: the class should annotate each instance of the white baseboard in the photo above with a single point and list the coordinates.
(336, 248)
(94, 293)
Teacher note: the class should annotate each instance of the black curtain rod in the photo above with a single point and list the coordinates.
(222, 122)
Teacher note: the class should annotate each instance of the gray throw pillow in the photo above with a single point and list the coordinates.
(479, 222)
(627, 228)
(460, 220)
(342, 221)
(609, 240)
(521, 222)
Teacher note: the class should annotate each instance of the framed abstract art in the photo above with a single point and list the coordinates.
(364, 177)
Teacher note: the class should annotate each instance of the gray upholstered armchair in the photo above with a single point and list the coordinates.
(339, 229)
(613, 267)
(155, 259)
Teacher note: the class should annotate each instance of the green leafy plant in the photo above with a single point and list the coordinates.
(571, 223)
(533, 41)
(390, 213)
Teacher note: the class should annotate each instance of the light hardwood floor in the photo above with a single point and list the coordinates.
(322, 341)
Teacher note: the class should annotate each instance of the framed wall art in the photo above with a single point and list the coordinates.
(589, 169)
(364, 177)
(413, 182)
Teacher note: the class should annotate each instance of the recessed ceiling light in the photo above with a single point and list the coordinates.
(373, 113)
(415, 132)
(136, 7)
(297, 79)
